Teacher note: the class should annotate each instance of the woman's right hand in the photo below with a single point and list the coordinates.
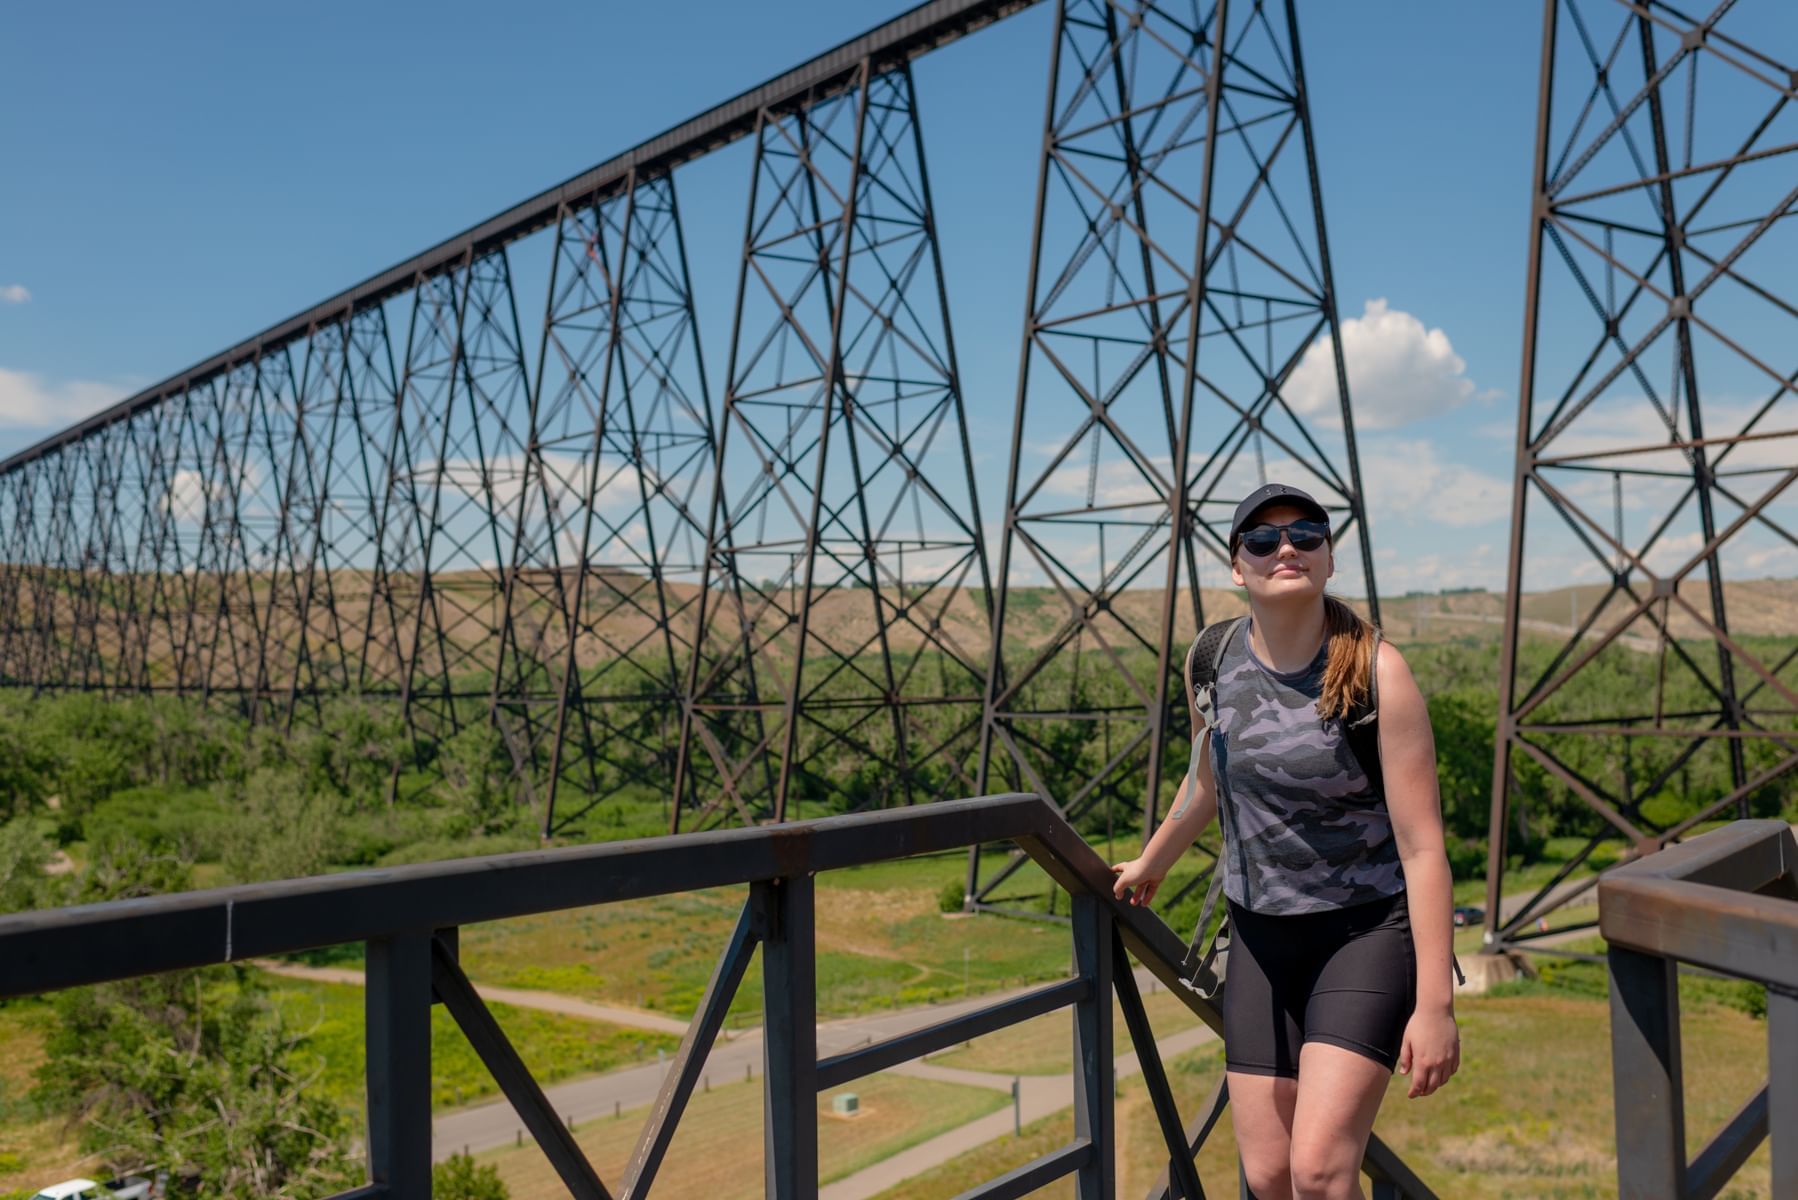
(1137, 878)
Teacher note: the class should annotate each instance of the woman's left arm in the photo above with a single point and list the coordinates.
(1432, 1047)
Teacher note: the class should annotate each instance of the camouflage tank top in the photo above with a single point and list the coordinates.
(1304, 830)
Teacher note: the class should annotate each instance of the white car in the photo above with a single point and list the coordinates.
(132, 1187)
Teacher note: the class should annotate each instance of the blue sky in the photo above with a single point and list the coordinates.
(175, 178)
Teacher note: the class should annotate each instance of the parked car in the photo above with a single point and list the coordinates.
(131, 1187)
(1469, 914)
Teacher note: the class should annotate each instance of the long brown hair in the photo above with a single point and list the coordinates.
(1348, 675)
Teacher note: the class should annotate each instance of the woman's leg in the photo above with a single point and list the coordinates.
(1261, 1109)
(1338, 1095)
(1262, 1037)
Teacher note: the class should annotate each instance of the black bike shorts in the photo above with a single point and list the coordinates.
(1346, 977)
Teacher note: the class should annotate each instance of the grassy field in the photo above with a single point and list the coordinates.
(1528, 1115)
(553, 1046)
(882, 943)
(1045, 1046)
(717, 1152)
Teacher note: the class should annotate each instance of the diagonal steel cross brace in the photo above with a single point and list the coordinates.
(514, 1078)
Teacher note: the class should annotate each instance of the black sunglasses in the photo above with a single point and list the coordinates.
(1304, 534)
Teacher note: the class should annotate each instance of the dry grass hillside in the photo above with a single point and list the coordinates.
(225, 630)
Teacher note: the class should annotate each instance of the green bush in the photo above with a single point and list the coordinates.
(283, 829)
(475, 770)
(121, 867)
(195, 821)
(1467, 858)
(1751, 998)
(24, 851)
(458, 1177)
(25, 769)
(952, 896)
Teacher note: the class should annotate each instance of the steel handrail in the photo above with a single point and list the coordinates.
(409, 916)
(1726, 901)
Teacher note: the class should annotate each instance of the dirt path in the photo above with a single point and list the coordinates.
(555, 1002)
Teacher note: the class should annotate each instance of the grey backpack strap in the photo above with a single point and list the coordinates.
(1200, 966)
(1201, 666)
(1203, 965)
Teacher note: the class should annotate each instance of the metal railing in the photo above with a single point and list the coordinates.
(1728, 902)
(409, 917)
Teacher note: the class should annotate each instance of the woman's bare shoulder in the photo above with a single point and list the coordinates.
(1391, 669)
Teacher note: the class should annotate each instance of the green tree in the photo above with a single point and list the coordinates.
(1463, 728)
(475, 770)
(458, 1177)
(285, 829)
(24, 769)
(194, 1072)
(123, 867)
(24, 853)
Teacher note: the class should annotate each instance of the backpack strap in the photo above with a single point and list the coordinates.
(1201, 666)
(1198, 966)
(1201, 685)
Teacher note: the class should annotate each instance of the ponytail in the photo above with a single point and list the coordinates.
(1348, 675)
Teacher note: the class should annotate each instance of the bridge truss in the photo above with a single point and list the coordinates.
(422, 492)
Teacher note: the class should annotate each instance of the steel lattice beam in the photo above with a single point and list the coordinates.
(1657, 430)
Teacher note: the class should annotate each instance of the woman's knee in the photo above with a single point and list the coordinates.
(1323, 1170)
(1267, 1175)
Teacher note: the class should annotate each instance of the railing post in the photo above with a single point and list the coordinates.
(1646, 1076)
(790, 1037)
(398, 1039)
(1093, 1077)
(1782, 1088)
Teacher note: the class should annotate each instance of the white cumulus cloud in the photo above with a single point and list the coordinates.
(15, 293)
(1407, 481)
(31, 400)
(1398, 370)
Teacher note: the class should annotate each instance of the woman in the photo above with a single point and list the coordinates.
(1338, 894)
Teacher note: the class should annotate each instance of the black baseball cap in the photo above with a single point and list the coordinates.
(1267, 495)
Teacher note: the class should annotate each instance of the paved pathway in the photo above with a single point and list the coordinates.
(739, 1055)
(1038, 1096)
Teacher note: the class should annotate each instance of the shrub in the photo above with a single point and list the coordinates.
(25, 769)
(194, 821)
(194, 1071)
(458, 1177)
(122, 867)
(1466, 858)
(475, 770)
(283, 829)
(24, 851)
(951, 897)
(1750, 997)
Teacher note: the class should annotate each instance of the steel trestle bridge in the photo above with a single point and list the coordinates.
(769, 594)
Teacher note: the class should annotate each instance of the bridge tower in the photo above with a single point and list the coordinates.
(611, 528)
(1180, 347)
(844, 615)
(1657, 433)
